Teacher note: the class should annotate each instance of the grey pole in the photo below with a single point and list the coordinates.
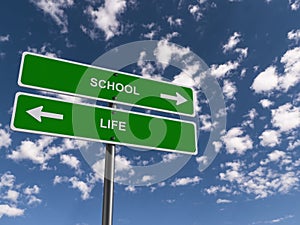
(108, 188)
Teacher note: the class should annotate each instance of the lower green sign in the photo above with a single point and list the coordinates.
(45, 115)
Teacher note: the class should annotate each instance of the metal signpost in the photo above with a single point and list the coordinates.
(56, 117)
(108, 183)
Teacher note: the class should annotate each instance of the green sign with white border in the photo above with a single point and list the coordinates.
(67, 77)
(56, 117)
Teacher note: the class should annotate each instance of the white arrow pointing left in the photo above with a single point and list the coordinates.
(37, 114)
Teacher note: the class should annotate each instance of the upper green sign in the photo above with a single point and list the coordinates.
(82, 80)
(44, 115)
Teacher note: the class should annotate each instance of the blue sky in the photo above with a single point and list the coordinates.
(251, 48)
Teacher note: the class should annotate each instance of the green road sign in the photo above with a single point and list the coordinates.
(44, 115)
(82, 80)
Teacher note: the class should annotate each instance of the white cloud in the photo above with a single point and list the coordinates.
(277, 220)
(243, 72)
(186, 181)
(252, 114)
(46, 49)
(12, 195)
(266, 81)
(286, 117)
(206, 123)
(294, 35)
(165, 51)
(130, 188)
(289, 181)
(293, 145)
(276, 155)
(235, 142)
(232, 42)
(10, 211)
(91, 33)
(262, 181)
(219, 71)
(255, 68)
(296, 163)
(7, 180)
(98, 168)
(291, 62)
(174, 22)
(243, 53)
(153, 30)
(195, 11)
(83, 187)
(67, 144)
(123, 168)
(169, 36)
(169, 157)
(229, 89)
(223, 201)
(217, 145)
(74, 144)
(295, 4)
(4, 38)
(215, 189)
(270, 138)
(233, 174)
(70, 160)
(202, 159)
(55, 9)
(297, 98)
(5, 140)
(170, 201)
(32, 190)
(59, 179)
(122, 163)
(269, 80)
(161, 184)
(147, 68)
(34, 200)
(105, 17)
(147, 178)
(266, 103)
(150, 35)
(186, 76)
(41, 150)
(33, 151)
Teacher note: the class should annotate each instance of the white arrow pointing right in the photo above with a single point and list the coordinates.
(37, 114)
(178, 98)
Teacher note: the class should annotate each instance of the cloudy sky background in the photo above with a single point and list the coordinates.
(251, 48)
